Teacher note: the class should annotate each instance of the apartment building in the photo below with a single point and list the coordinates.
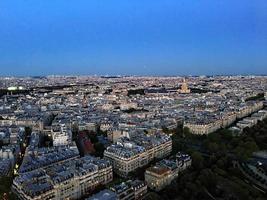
(71, 179)
(61, 135)
(128, 154)
(130, 190)
(164, 172)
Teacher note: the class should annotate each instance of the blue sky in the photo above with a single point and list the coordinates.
(141, 37)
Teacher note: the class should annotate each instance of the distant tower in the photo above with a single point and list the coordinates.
(184, 88)
(85, 102)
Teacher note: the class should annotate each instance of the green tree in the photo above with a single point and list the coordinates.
(93, 137)
(152, 196)
(197, 160)
(99, 149)
(208, 179)
(75, 131)
(179, 130)
(5, 186)
(186, 131)
(213, 147)
(245, 149)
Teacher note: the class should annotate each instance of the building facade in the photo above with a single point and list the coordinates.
(71, 179)
(129, 154)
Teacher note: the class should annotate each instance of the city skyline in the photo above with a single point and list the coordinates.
(87, 137)
(133, 38)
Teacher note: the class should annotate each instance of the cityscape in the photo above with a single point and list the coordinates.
(133, 100)
(93, 137)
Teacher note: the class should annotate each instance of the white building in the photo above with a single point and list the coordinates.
(61, 135)
(129, 154)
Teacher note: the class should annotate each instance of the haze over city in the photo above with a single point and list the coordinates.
(152, 37)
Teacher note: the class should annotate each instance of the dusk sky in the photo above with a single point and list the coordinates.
(133, 37)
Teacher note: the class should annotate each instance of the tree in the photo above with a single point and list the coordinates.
(75, 131)
(136, 91)
(93, 137)
(179, 130)
(245, 149)
(99, 149)
(5, 186)
(197, 160)
(208, 179)
(226, 134)
(28, 131)
(152, 196)
(214, 137)
(98, 129)
(165, 129)
(100, 132)
(186, 131)
(213, 147)
(221, 163)
(259, 96)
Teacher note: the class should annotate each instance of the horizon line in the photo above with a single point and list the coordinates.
(125, 75)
